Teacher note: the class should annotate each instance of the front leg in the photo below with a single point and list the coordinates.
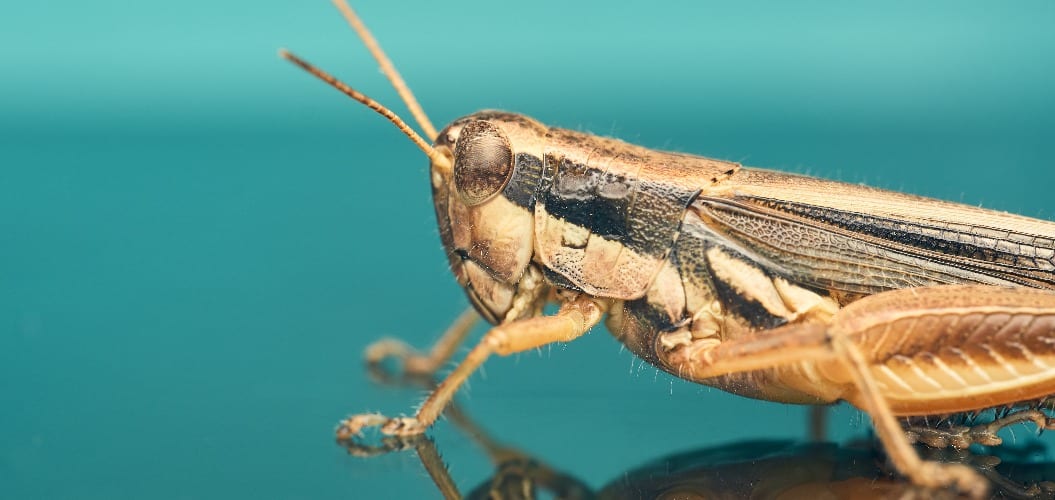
(908, 352)
(574, 318)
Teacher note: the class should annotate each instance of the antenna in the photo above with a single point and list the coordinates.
(429, 151)
(387, 67)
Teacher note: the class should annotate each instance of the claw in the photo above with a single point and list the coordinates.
(401, 433)
(353, 425)
(405, 426)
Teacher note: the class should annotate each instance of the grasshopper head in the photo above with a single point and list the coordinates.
(485, 169)
(484, 199)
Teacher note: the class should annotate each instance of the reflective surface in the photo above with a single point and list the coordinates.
(785, 469)
(761, 469)
(197, 241)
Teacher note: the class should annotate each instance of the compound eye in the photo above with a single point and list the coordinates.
(483, 162)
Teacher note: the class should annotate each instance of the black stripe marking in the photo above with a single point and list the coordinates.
(575, 196)
(914, 234)
(523, 185)
(690, 258)
(557, 279)
(643, 215)
(652, 315)
(751, 311)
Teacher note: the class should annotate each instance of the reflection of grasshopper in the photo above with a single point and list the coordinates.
(765, 284)
(752, 469)
(786, 470)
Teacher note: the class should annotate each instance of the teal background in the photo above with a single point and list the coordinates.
(197, 240)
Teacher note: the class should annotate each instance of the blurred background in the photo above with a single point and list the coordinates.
(197, 240)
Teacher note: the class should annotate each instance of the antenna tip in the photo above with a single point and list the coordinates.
(283, 53)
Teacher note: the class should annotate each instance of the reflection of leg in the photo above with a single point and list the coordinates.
(389, 444)
(415, 363)
(896, 444)
(1013, 489)
(1004, 486)
(818, 423)
(522, 477)
(515, 471)
(961, 437)
(437, 470)
(426, 450)
(571, 321)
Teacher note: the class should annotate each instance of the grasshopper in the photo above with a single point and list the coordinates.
(765, 284)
